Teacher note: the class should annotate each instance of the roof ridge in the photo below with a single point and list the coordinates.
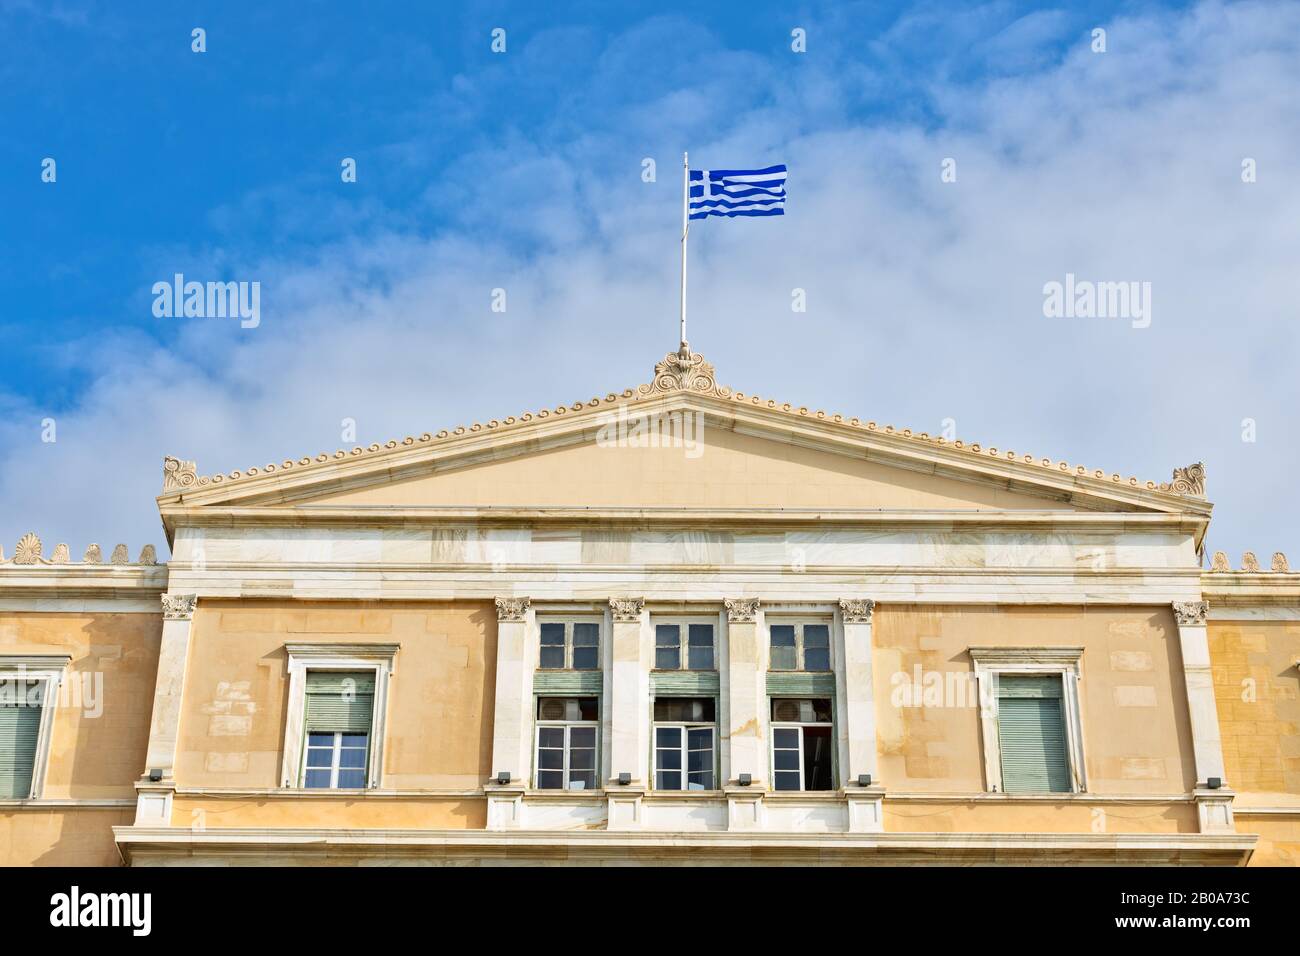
(676, 372)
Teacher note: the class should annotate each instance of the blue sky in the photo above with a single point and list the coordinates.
(522, 171)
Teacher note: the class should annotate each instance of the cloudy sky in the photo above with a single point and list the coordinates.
(522, 171)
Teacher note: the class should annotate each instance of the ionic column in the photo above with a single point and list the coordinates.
(856, 716)
(512, 717)
(1213, 806)
(155, 789)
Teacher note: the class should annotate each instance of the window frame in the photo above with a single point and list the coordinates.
(539, 725)
(377, 658)
(1061, 662)
(336, 753)
(49, 671)
(685, 726)
(683, 622)
(775, 725)
(799, 624)
(569, 620)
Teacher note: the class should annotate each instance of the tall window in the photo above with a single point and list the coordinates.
(566, 743)
(684, 735)
(21, 706)
(338, 721)
(800, 647)
(1032, 735)
(570, 645)
(681, 645)
(802, 744)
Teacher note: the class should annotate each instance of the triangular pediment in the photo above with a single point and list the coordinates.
(682, 443)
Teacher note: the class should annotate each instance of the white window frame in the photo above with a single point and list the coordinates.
(685, 726)
(567, 725)
(799, 624)
(376, 658)
(684, 626)
(48, 671)
(568, 621)
(776, 725)
(336, 753)
(1062, 662)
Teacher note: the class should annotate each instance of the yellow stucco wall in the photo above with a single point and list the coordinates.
(731, 470)
(1133, 702)
(99, 735)
(1039, 816)
(1257, 689)
(439, 728)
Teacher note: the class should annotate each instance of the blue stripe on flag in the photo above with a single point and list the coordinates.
(736, 192)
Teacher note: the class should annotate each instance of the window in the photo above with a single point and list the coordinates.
(1029, 717)
(566, 743)
(28, 687)
(570, 645)
(684, 734)
(1031, 735)
(800, 647)
(697, 655)
(340, 712)
(337, 712)
(802, 744)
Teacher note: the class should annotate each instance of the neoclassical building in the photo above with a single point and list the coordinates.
(676, 623)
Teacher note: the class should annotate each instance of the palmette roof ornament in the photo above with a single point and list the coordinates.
(1189, 480)
(684, 370)
(30, 552)
(178, 474)
(1220, 562)
(29, 549)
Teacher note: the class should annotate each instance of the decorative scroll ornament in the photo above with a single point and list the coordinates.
(857, 611)
(178, 474)
(179, 607)
(29, 549)
(742, 610)
(1280, 563)
(626, 610)
(120, 555)
(148, 555)
(93, 555)
(1190, 480)
(1191, 612)
(512, 609)
(1220, 562)
(683, 370)
(1249, 562)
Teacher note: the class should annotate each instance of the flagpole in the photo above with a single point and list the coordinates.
(686, 228)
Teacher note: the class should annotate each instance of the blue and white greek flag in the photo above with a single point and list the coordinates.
(737, 192)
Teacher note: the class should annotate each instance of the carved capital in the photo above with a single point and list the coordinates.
(857, 611)
(179, 607)
(1191, 612)
(626, 610)
(742, 610)
(512, 608)
(178, 474)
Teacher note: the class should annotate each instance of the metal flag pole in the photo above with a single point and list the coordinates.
(686, 228)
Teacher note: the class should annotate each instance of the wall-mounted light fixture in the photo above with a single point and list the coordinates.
(503, 778)
(864, 780)
(155, 774)
(1214, 783)
(624, 779)
(745, 779)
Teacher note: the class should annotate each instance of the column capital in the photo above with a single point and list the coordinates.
(857, 610)
(512, 608)
(626, 610)
(741, 610)
(1190, 612)
(179, 607)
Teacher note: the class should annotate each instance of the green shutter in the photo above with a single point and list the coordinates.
(1031, 735)
(335, 705)
(19, 728)
(550, 683)
(800, 684)
(684, 683)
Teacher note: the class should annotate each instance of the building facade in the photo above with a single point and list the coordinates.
(680, 623)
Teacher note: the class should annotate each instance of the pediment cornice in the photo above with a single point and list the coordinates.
(681, 380)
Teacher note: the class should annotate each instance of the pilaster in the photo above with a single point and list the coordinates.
(1213, 806)
(157, 786)
(512, 719)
